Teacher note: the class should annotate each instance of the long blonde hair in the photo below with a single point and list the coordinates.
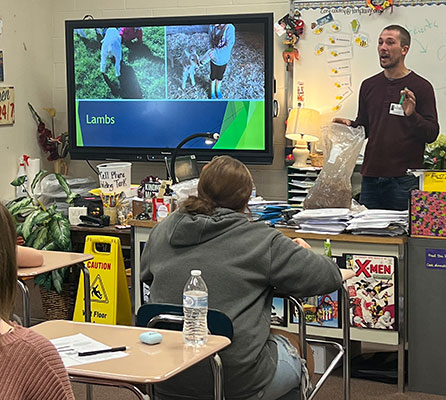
(8, 263)
(224, 182)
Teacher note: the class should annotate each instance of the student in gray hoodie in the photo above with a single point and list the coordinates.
(242, 263)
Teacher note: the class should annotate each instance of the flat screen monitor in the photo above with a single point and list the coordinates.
(138, 87)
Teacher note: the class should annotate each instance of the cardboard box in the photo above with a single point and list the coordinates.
(428, 213)
(323, 355)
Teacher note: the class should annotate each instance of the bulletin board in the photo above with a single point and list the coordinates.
(337, 95)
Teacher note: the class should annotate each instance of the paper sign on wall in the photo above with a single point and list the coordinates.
(341, 81)
(433, 181)
(343, 94)
(336, 26)
(7, 109)
(300, 90)
(339, 53)
(320, 49)
(361, 39)
(339, 68)
(339, 39)
(436, 258)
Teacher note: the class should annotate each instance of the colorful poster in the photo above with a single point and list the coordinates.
(278, 312)
(319, 310)
(372, 291)
(427, 213)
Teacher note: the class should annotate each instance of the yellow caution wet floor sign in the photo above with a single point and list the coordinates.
(110, 298)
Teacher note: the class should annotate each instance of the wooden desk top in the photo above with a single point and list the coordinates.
(345, 237)
(290, 232)
(106, 230)
(145, 363)
(144, 223)
(53, 260)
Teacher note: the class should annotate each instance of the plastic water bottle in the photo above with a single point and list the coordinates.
(195, 309)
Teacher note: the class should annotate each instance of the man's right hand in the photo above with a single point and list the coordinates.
(344, 121)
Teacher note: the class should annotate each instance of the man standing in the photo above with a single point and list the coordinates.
(397, 109)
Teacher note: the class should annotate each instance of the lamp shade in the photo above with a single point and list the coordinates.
(303, 124)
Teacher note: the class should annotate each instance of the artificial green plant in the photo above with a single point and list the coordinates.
(43, 228)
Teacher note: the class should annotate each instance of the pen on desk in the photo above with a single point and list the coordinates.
(94, 352)
(402, 97)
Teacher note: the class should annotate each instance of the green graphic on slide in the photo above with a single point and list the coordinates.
(79, 140)
(241, 124)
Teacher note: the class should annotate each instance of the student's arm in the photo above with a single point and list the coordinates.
(347, 274)
(299, 271)
(28, 257)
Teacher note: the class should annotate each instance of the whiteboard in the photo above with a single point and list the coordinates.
(427, 54)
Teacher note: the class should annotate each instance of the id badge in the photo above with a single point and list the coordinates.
(396, 109)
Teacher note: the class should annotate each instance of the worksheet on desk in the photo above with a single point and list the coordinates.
(70, 346)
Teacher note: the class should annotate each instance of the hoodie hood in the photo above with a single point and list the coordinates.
(188, 230)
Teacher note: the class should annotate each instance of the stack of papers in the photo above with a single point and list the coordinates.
(330, 221)
(70, 346)
(379, 222)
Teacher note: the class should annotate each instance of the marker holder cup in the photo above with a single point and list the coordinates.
(112, 212)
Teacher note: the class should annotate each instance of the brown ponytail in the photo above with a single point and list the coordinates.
(224, 182)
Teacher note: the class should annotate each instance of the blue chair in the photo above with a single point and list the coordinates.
(170, 316)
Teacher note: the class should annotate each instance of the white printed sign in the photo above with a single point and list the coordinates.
(343, 94)
(339, 53)
(7, 107)
(115, 177)
(339, 68)
(341, 81)
(339, 39)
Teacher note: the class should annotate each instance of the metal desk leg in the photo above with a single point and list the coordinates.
(25, 300)
(87, 300)
(217, 371)
(346, 341)
(106, 382)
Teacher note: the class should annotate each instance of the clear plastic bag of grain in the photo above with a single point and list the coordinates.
(333, 188)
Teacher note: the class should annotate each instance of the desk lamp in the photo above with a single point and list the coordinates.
(303, 126)
(211, 138)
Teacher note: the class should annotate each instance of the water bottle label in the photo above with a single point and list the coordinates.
(195, 301)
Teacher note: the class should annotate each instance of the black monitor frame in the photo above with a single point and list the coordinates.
(157, 154)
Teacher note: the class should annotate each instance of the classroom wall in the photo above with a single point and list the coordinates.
(317, 69)
(38, 74)
(26, 41)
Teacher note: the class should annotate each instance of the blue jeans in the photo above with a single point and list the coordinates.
(289, 374)
(387, 193)
(286, 381)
